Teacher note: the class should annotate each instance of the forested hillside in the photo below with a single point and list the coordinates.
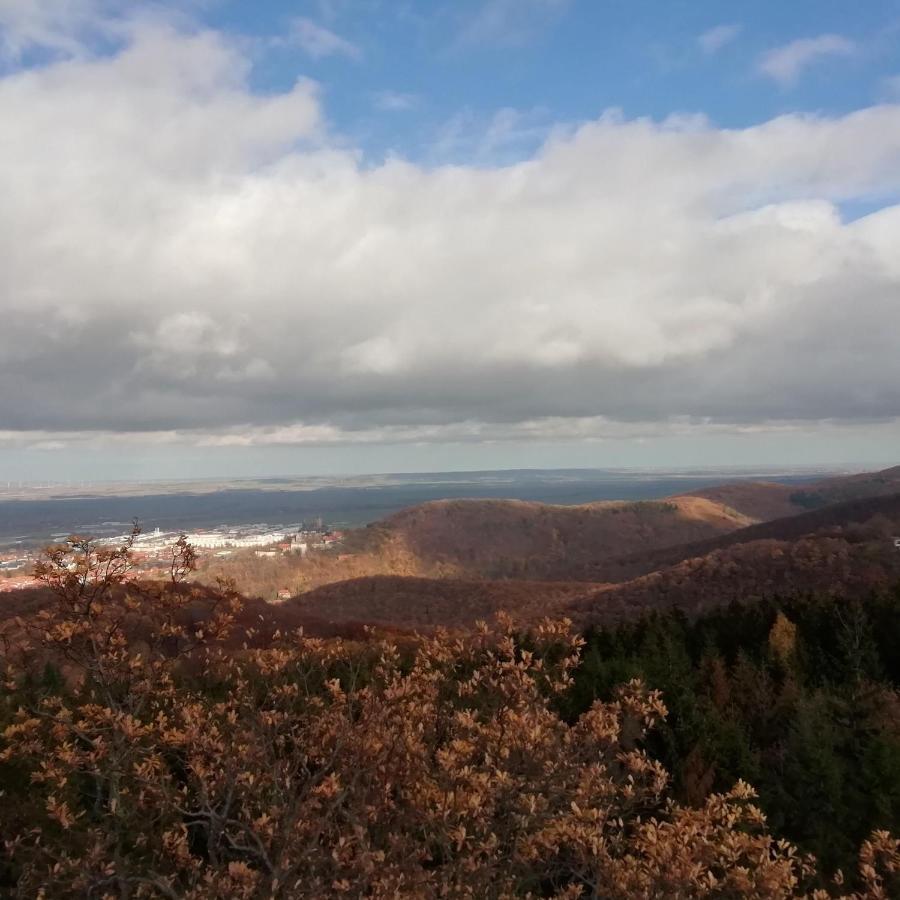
(144, 753)
(396, 601)
(798, 696)
(845, 551)
(764, 500)
(874, 517)
(534, 541)
(602, 542)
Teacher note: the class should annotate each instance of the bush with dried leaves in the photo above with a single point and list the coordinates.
(164, 766)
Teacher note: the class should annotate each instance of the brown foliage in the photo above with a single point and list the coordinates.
(315, 768)
(429, 602)
(256, 577)
(516, 539)
(783, 638)
(760, 500)
(764, 500)
(873, 519)
(830, 565)
(487, 539)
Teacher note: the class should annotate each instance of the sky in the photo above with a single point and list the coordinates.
(339, 236)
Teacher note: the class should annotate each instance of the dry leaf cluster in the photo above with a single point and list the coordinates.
(165, 766)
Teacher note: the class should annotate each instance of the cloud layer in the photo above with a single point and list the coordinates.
(182, 255)
(785, 64)
(319, 42)
(714, 39)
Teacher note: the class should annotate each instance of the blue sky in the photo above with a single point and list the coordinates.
(552, 62)
(345, 235)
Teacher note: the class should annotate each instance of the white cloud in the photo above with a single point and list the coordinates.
(509, 22)
(511, 127)
(185, 257)
(68, 28)
(394, 101)
(504, 136)
(318, 42)
(785, 64)
(716, 38)
(49, 24)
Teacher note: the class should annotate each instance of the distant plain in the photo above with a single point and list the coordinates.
(34, 514)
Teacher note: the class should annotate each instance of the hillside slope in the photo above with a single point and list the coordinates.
(847, 550)
(607, 541)
(765, 500)
(834, 519)
(407, 602)
(842, 551)
(515, 539)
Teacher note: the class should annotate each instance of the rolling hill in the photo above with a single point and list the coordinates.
(409, 602)
(452, 562)
(499, 539)
(837, 565)
(765, 500)
(606, 542)
(844, 550)
(829, 519)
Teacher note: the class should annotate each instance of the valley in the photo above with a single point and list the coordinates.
(766, 614)
(451, 562)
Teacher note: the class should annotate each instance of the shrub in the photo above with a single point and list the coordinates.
(168, 767)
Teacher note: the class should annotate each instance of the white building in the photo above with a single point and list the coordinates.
(216, 540)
